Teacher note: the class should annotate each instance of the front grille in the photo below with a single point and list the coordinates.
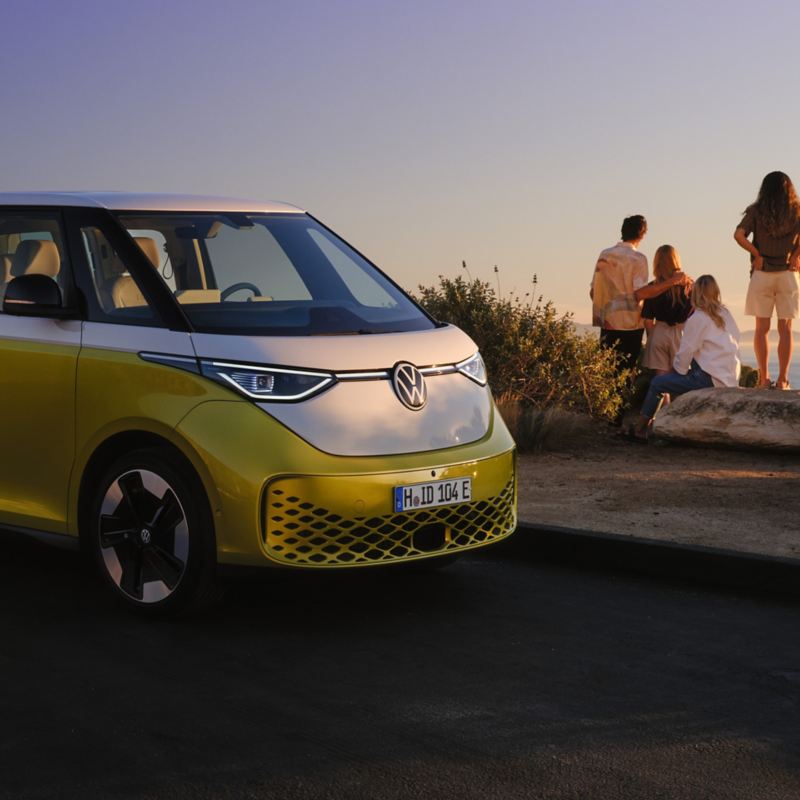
(300, 532)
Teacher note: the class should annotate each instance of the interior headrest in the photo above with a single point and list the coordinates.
(5, 268)
(36, 257)
(150, 249)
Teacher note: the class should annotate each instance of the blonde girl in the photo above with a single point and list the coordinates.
(708, 354)
(666, 307)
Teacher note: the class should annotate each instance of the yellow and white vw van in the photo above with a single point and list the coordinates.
(191, 383)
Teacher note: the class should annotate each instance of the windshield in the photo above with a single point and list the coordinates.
(270, 274)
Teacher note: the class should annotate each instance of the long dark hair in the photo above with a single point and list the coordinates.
(777, 207)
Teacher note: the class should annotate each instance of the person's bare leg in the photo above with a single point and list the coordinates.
(761, 349)
(785, 347)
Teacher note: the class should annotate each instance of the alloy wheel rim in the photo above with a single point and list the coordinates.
(144, 536)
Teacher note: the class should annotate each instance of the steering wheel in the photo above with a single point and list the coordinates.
(235, 287)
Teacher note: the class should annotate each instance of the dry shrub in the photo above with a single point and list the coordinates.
(532, 353)
(535, 429)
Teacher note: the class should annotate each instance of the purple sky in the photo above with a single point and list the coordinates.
(511, 133)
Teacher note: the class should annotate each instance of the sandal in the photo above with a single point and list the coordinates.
(784, 386)
(766, 385)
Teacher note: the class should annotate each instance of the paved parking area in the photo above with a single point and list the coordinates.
(492, 679)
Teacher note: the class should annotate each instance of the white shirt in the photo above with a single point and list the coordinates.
(716, 350)
(619, 272)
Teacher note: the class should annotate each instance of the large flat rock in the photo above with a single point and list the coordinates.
(743, 418)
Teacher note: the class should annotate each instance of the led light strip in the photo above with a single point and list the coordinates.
(378, 375)
(386, 374)
(191, 364)
(282, 370)
(447, 369)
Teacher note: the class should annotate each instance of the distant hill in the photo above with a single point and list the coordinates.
(773, 334)
(583, 328)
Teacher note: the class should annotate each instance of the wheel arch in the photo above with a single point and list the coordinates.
(115, 445)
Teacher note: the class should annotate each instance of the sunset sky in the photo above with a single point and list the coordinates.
(509, 133)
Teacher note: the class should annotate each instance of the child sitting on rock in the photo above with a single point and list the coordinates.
(708, 354)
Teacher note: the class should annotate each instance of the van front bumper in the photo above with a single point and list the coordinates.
(343, 521)
(279, 501)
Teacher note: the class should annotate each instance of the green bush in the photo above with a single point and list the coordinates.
(532, 353)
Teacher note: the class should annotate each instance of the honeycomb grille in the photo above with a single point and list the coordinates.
(302, 533)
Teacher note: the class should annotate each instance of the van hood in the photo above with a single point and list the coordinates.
(366, 417)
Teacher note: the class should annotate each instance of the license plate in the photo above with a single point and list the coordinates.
(435, 493)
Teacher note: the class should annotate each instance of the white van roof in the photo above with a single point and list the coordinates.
(134, 201)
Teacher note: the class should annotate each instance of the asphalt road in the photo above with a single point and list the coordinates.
(492, 679)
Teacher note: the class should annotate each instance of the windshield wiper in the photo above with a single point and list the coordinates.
(358, 332)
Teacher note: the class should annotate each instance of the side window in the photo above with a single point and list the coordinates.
(154, 245)
(36, 236)
(116, 295)
(32, 245)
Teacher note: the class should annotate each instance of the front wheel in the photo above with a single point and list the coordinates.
(151, 533)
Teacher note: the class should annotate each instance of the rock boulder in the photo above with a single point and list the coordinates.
(741, 418)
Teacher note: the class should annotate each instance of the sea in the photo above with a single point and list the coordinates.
(747, 356)
(746, 353)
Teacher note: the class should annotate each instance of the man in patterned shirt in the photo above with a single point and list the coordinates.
(620, 271)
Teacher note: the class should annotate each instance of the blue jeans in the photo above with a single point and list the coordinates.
(674, 384)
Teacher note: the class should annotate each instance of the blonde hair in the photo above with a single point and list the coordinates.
(706, 297)
(666, 262)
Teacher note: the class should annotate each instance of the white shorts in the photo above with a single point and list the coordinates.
(773, 291)
(662, 345)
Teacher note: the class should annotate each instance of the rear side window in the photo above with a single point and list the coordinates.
(33, 244)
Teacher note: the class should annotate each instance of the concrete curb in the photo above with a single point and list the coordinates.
(706, 565)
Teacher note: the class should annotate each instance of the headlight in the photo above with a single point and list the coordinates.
(267, 383)
(474, 368)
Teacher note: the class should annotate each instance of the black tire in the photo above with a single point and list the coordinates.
(150, 533)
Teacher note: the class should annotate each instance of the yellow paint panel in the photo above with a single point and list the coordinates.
(119, 392)
(38, 429)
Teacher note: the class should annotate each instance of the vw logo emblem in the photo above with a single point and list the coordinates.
(145, 536)
(409, 386)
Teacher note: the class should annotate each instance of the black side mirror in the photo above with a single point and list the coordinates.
(34, 296)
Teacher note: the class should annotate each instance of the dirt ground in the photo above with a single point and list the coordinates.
(747, 501)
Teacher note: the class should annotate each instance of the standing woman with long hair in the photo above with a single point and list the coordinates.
(666, 307)
(708, 354)
(774, 222)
